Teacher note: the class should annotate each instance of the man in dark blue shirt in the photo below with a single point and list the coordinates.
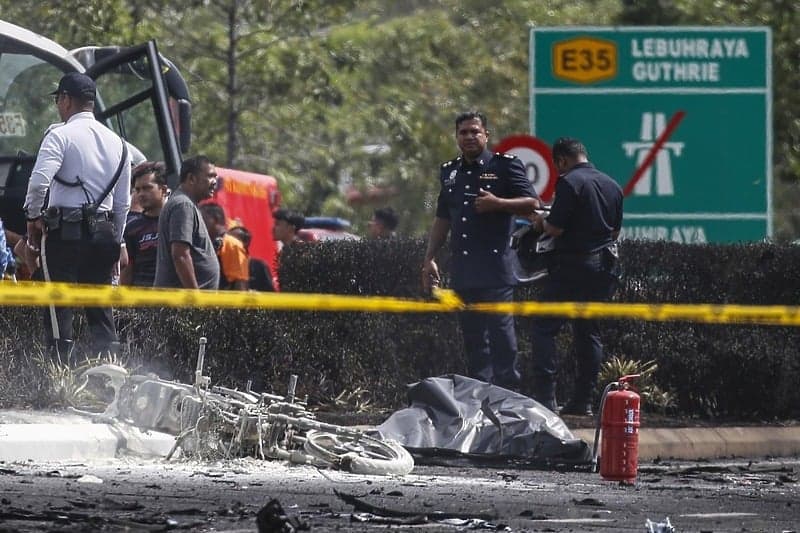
(141, 232)
(585, 220)
(480, 193)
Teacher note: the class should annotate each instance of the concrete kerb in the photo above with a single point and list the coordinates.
(30, 436)
(712, 442)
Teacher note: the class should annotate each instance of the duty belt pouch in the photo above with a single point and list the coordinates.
(71, 224)
(52, 218)
(99, 228)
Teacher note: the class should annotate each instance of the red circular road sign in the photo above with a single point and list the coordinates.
(538, 160)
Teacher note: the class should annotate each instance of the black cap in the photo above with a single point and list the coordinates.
(76, 84)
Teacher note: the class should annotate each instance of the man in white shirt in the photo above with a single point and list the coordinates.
(86, 168)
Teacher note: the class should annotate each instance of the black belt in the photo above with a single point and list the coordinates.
(73, 214)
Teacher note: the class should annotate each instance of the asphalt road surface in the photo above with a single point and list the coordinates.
(133, 494)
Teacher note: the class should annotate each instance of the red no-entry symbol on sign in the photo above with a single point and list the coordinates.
(538, 160)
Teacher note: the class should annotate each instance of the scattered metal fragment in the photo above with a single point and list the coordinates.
(82, 504)
(660, 527)
(272, 519)
(111, 503)
(434, 516)
(413, 520)
(475, 523)
(209, 473)
(507, 476)
(88, 478)
(592, 502)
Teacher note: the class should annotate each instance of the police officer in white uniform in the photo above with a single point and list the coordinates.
(77, 227)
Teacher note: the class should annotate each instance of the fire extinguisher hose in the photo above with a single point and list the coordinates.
(598, 421)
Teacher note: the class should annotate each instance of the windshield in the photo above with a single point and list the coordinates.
(131, 99)
(125, 100)
(26, 108)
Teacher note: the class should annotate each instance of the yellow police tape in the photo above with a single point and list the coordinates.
(65, 295)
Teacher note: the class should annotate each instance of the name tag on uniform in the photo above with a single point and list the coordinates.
(489, 176)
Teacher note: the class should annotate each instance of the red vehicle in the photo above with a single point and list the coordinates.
(249, 199)
(325, 229)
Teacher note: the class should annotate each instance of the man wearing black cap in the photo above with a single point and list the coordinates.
(86, 168)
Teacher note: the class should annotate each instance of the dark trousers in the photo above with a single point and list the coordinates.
(80, 261)
(490, 342)
(571, 279)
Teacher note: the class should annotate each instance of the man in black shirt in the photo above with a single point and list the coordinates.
(141, 233)
(585, 220)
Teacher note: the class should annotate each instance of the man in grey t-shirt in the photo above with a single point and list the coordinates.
(186, 256)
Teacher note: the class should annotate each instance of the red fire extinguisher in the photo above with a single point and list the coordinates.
(619, 421)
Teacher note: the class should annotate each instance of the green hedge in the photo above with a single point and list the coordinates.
(715, 370)
(740, 371)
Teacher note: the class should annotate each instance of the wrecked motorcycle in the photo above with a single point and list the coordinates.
(218, 422)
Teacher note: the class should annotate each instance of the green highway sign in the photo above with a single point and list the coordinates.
(681, 117)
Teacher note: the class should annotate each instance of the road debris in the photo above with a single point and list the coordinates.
(660, 527)
(383, 515)
(272, 519)
(88, 478)
(591, 502)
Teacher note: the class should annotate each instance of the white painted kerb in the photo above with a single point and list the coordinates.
(78, 442)
(56, 442)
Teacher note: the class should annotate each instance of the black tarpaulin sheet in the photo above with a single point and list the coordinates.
(460, 417)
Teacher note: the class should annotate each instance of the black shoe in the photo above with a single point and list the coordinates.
(577, 408)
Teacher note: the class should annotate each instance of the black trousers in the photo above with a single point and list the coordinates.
(490, 341)
(80, 261)
(571, 279)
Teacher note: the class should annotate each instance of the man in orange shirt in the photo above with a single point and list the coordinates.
(233, 259)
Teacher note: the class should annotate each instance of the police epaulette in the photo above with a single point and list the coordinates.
(448, 163)
(508, 156)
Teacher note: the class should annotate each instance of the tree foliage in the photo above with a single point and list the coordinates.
(361, 94)
(73, 23)
(783, 17)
